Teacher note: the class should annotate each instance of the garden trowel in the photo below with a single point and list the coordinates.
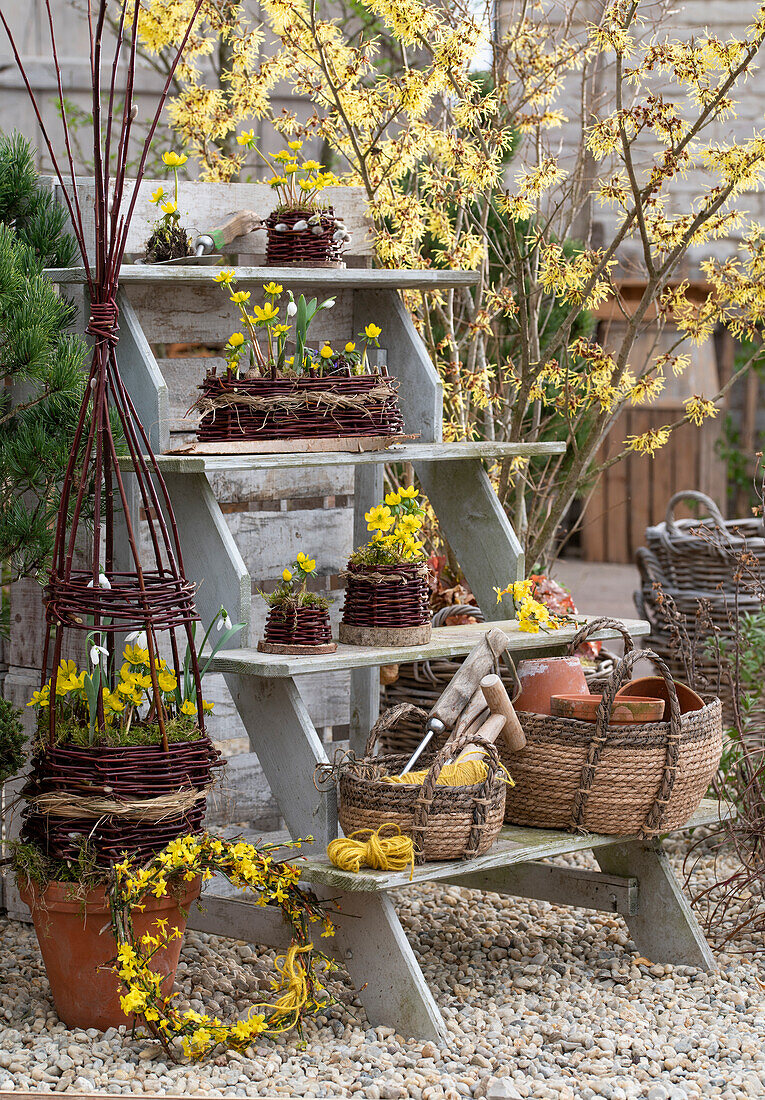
(208, 246)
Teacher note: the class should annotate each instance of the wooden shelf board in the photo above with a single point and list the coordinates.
(404, 452)
(348, 278)
(447, 641)
(514, 845)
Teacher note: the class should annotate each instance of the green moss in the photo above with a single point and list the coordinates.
(72, 732)
(289, 603)
(380, 555)
(30, 863)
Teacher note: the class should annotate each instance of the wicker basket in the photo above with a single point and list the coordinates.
(444, 822)
(621, 781)
(700, 555)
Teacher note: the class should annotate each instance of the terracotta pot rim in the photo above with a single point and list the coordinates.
(57, 897)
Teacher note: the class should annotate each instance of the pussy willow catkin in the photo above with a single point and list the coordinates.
(371, 848)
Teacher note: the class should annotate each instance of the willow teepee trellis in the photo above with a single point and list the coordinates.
(145, 599)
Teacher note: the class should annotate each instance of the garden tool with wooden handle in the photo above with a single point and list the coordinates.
(462, 689)
(499, 702)
(235, 225)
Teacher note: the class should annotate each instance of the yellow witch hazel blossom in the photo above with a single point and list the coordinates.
(252, 870)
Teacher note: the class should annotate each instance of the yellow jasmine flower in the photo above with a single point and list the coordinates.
(174, 160)
(372, 331)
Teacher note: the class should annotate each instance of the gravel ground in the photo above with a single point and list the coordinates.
(539, 1002)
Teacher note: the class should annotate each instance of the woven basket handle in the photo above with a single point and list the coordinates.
(600, 738)
(649, 567)
(701, 498)
(388, 720)
(444, 613)
(450, 751)
(601, 624)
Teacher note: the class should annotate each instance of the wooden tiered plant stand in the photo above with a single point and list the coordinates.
(635, 879)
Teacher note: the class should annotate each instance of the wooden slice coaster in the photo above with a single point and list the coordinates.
(385, 635)
(296, 650)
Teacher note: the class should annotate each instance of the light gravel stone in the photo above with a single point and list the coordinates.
(539, 1002)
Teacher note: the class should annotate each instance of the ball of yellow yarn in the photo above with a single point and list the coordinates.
(461, 773)
(370, 848)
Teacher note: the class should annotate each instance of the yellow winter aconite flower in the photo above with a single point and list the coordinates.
(350, 346)
(169, 207)
(224, 277)
(379, 518)
(286, 575)
(246, 137)
(266, 313)
(240, 296)
(273, 288)
(236, 339)
(392, 499)
(326, 352)
(188, 708)
(158, 195)
(372, 331)
(174, 160)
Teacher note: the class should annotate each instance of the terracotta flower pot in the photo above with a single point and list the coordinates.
(542, 677)
(626, 711)
(76, 942)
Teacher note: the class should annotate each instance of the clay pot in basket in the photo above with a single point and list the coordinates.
(618, 780)
(297, 630)
(77, 945)
(313, 246)
(386, 605)
(267, 409)
(444, 822)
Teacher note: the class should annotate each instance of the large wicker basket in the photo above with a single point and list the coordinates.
(444, 822)
(617, 780)
(701, 555)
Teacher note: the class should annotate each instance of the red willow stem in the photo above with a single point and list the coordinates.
(93, 458)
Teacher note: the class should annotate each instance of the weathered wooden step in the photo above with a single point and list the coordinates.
(348, 278)
(447, 641)
(404, 452)
(515, 845)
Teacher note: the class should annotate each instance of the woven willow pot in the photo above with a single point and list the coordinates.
(444, 822)
(621, 781)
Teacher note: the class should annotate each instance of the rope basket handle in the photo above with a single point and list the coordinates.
(482, 796)
(599, 740)
(389, 719)
(439, 617)
(603, 623)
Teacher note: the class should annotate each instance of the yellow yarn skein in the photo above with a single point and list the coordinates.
(463, 773)
(393, 852)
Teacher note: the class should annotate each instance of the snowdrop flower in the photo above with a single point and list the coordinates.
(291, 309)
(103, 581)
(224, 619)
(96, 652)
(137, 637)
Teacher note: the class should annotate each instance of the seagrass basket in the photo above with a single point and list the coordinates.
(618, 780)
(444, 822)
(698, 555)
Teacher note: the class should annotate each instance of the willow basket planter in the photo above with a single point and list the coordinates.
(296, 630)
(289, 408)
(622, 781)
(77, 944)
(444, 822)
(303, 248)
(386, 605)
(130, 799)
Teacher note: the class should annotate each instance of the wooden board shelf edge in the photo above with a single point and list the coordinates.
(348, 278)
(448, 641)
